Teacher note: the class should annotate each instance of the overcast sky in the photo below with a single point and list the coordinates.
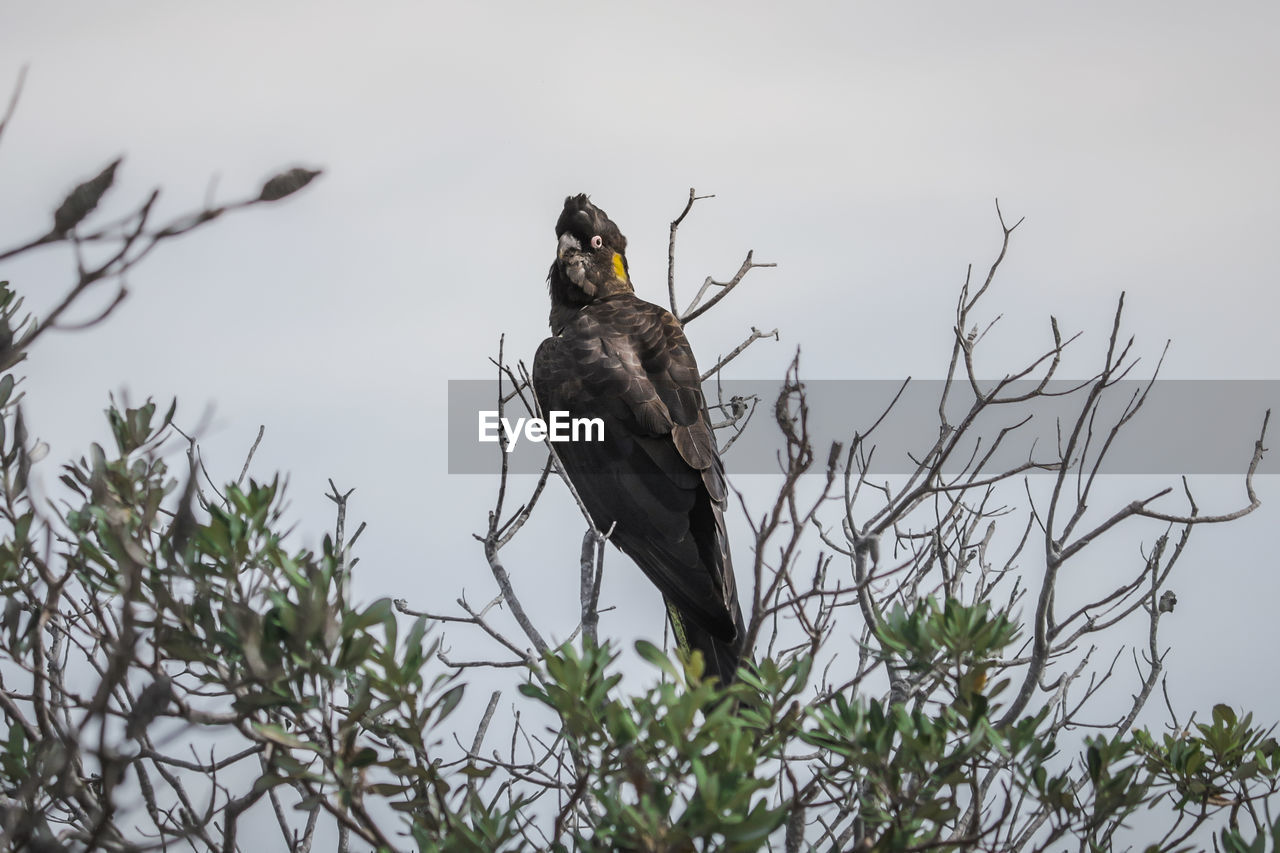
(860, 147)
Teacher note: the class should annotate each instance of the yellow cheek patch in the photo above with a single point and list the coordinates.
(619, 268)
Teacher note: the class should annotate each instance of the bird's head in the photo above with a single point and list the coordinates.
(591, 260)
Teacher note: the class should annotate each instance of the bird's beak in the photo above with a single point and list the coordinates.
(571, 260)
(568, 245)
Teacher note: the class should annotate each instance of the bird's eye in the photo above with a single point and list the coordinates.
(597, 241)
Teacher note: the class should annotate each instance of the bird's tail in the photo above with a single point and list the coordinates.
(722, 657)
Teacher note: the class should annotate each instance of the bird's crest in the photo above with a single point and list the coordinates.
(584, 220)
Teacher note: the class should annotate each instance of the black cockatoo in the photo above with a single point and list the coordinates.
(656, 478)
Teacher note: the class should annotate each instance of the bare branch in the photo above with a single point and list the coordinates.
(755, 335)
(671, 247)
(14, 97)
(694, 311)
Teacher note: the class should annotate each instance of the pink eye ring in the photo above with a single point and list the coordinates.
(596, 242)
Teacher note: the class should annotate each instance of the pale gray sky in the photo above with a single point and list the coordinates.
(858, 146)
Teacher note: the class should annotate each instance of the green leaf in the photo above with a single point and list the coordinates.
(83, 199)
(366, 756)
(286, 184)
(386, 789)
(277, 735)
(372, 615)
(450, 701)
(266, 783)
(654, 655)
(1094, 760)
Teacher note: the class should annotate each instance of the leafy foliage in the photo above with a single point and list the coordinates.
(203, 614)
(198, 614)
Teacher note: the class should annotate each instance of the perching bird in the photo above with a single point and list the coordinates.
(656, 478)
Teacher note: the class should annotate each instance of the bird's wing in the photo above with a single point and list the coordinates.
(656, 474)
